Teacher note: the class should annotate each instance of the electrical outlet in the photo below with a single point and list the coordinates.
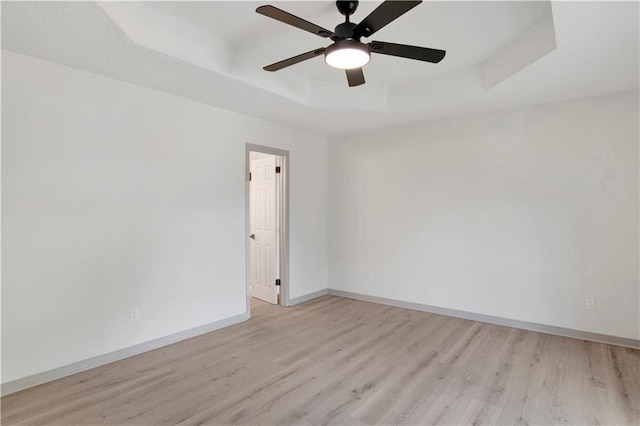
(133, 314)
(590, 304)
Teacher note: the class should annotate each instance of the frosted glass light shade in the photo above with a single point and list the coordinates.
(347, 54)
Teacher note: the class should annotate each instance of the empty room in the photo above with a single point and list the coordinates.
(320, 213)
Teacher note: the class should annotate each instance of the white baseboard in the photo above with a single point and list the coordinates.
(307, 297)
(542, 328)
(77, 367)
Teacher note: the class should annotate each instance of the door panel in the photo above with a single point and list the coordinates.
(263, 228)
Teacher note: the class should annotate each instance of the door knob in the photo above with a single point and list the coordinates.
(252, 236)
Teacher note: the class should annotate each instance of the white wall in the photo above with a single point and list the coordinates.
(116, 196)
(520, 214)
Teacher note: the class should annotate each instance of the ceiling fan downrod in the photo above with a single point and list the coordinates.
(345, 30)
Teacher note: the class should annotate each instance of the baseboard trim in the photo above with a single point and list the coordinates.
(541, 328)
(87, 364)
(307, 297)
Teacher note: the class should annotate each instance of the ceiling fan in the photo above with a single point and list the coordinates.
(347, 51)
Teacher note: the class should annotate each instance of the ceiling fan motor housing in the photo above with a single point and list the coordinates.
(343, 31)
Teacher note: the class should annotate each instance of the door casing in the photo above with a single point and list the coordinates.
(284, 221)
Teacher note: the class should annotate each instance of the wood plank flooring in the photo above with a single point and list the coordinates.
(340, 361)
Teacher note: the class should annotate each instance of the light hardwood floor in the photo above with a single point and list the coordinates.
(341, 361)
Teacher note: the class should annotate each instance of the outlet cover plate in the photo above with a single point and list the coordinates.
(590, 304)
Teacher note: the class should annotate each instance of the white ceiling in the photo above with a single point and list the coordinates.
(597, 52)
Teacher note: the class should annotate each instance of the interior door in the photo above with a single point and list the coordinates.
(262, 226)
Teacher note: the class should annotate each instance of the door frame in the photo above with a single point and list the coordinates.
(283, 225)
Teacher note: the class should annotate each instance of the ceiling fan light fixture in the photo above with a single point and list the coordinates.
(347, 54)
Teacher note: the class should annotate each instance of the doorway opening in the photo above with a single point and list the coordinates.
(267, 226)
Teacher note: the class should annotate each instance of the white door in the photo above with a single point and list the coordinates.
(262, 219)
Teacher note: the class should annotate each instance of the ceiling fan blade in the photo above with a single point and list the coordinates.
(355, 77)
(287, 18)
(382, 15)
(404, 51)
(294, 60)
